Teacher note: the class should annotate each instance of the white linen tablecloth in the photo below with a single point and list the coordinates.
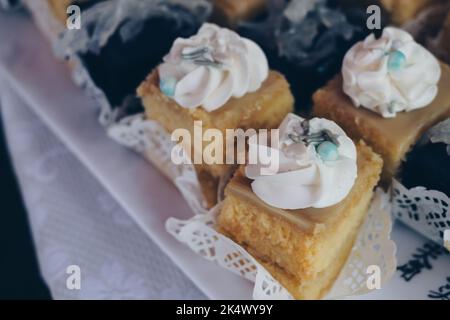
(75, 221)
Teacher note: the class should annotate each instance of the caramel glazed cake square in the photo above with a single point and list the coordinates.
(264, 108)
(391, 137)
(303, 249)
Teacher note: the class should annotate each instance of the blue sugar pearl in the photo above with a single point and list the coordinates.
(328, 151)
(167, 86)
(396, 60)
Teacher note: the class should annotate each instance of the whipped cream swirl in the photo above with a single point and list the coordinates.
(211, 67)
(313, 171)
(390, 74)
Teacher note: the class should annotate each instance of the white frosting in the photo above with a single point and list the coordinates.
(372, 84)
(302, 178)
(236, 66)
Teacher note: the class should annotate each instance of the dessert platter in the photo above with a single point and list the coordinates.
(358, 119)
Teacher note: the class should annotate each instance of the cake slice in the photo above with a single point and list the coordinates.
(264, 107)
(441, 43)
(304, 249)
(390, 137)
(401, 11)
(431, 28)
(398, 12)
(59, 7)
(393, 136)
(447, 239)
(230, 12)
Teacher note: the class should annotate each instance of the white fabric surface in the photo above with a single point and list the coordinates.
(75, 221)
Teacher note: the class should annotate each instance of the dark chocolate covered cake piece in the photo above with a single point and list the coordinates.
(428, 164)
(123, 40)
(306, 40)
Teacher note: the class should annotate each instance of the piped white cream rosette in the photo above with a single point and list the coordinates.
(390, 74)
(212, 66)
(321, 171)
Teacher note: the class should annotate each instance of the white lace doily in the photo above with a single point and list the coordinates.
(426, 211)
(373, 247)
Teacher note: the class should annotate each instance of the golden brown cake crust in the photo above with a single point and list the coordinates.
(300, 255)
(390, 137)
